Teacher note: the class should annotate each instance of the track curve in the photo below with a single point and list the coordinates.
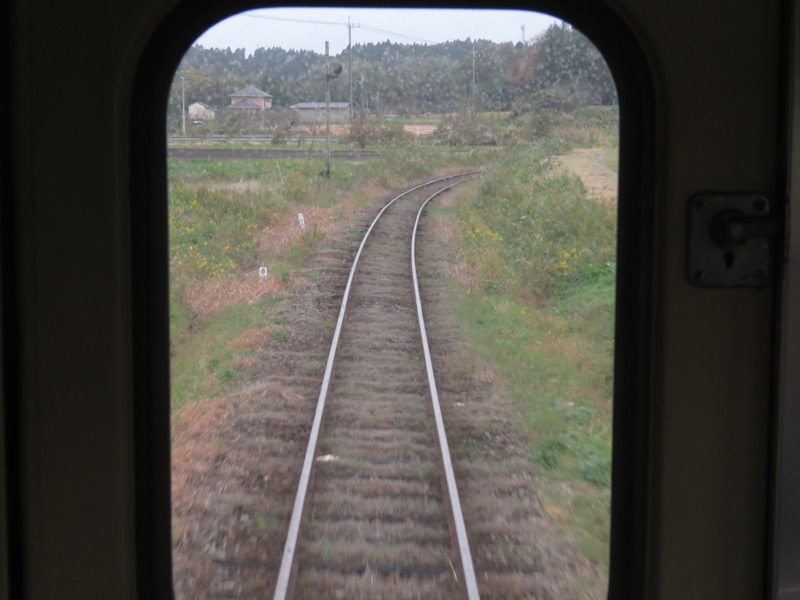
(377, 491)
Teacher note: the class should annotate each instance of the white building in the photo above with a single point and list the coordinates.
(199, 111)
(314, 112)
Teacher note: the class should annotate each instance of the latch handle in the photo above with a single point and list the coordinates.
(732, 227)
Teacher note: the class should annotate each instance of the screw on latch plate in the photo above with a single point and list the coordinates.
(729, 240)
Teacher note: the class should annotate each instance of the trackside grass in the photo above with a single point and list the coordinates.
(539, 309)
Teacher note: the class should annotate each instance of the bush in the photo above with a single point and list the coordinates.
(365, 132)
(533, 224)
(550, 453)
(550, 100)
(467, 129)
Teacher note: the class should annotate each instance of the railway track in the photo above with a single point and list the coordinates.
(377, 512)
(379, 523)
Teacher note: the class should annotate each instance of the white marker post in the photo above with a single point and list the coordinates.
(301, 220)
(262, 272)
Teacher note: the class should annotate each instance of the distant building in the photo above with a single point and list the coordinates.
(201, 112)
(314, 112)
(250, 99)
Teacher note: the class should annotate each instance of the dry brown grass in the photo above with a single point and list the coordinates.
(286, 232)
(588, 165)
(243, 186)
(252, 339)
(457, 268)
(192, 451)
(206, 297)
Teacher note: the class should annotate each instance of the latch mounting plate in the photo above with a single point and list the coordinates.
(729, 240)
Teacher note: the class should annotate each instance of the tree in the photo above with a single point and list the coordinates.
(565, 60)
(413, 78)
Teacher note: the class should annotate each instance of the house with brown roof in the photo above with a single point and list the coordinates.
(250, 99)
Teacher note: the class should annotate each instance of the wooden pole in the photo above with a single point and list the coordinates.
(327, 113)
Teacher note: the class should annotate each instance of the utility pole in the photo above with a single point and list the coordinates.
(364, 96)
(327, 113)
(350, 65)
(328, 76)
(183, 103)
(350, 62)
(473, 76)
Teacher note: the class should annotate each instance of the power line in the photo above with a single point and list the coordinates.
(348, 25)
(293, 20)
(401, 35)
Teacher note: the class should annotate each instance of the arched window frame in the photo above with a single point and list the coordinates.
(634, 77)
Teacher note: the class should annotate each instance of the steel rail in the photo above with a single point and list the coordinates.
(452, 490)
(287, 562)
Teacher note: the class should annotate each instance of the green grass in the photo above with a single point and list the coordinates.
(212, 233)
(532, 229)
(540, 312)
(201, 171)
(556, 363)
(206, 362)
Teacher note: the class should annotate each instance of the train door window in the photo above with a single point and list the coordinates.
(288, 131)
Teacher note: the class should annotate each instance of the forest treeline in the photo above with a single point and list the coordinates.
(559, 69)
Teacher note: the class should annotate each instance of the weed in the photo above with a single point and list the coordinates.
(386, 549)
(228, 374)
(325, 549)
(266, 523)
(597, 470)
(430, 506)
(550, 453)
(468, 448)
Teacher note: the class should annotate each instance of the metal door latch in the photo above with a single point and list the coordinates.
(729, 240)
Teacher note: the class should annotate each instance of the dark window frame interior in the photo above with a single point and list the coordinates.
(150, 281)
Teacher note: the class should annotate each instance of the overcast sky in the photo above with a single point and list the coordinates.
(310, 28)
